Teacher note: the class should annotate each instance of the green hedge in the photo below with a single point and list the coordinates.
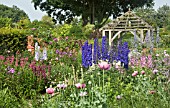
(13, 39)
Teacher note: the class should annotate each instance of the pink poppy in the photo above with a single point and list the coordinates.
(142, 72)
(50, 90)
(135, 73)
(79, 85)
(104, 65)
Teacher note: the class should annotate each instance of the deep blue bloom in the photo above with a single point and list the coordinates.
(104, 48)
(86, 55)
(95, 51)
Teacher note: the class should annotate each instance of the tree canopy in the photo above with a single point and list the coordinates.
(92, 11)
(12, 12)
(159, 18)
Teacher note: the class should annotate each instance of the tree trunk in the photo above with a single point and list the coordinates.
(85, 20)
(92, 13)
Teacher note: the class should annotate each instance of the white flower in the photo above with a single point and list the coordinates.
(44, 54)
(83, 94)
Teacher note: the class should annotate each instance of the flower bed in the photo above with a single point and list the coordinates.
(83, 75)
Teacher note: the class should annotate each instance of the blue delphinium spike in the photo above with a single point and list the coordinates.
(95, 51)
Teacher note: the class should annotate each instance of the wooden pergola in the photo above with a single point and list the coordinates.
(128, 22)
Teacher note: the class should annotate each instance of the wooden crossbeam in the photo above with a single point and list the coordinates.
(115, 35)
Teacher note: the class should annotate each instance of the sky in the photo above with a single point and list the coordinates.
(33, 14)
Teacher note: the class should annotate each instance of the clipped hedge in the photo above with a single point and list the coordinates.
(13, 39)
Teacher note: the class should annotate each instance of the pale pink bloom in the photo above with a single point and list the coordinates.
(135, 73)
(164, 51)
(157, 55)
(66, 38)
(166, 55)
(79, 85)
(117, 66)
(57, 58)
(149, 63)
(142, 72)
(119, 97)
(132, 61)
(155, 71)
(104, 65)
(83, 94)
(143, 61)
(152, 91)
(61, 86)
(50, 90)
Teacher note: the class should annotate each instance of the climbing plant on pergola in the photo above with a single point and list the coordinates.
(128, 22)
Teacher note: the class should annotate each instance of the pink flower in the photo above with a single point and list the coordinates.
(79, 85)
(119, 97)
(66, 38)
(149, 63)
(104, 65)
(166, 55)
(55, 39)
(50, 42)
(83, 94)
(142, 72)
(50, 90)
(33, 29)
(61, 86)
(152, 91)
(135, 73)
(143, 61)
(11, 70)
(155, 71)
(157, 55)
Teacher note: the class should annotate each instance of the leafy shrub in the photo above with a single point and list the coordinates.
(12, 39)
(166, 41)
(64, 30)
(5, 22)
(21, 81)
(87, 30)
(76, 31)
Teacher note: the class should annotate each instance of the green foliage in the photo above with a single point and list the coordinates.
(14, 13)
(47, 20)
(158, 18)
(22, 82)
(12, 39)
(166, 41)
(64, 30)
(87, 30)
(5, 22)
(76, 31)
(147, 14)
(7, 99)
(163, 15)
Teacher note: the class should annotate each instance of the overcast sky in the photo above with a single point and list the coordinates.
(33, 14)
